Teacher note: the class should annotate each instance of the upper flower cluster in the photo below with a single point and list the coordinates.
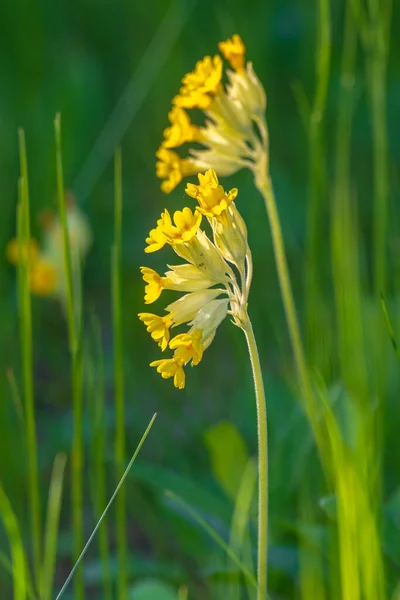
(46, 262)
(208, 278)
(228, 136)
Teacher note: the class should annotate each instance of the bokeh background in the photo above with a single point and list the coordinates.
(111, 70)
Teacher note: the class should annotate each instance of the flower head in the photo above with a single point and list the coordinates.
(181, 129)
(158, 327)
(234, 134)
(212, 290)
(201, 84)
(233, 50)
(211, 196)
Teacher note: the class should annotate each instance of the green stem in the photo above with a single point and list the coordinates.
(120, 502)
(262, 434)
(264, 185)
(25, 313)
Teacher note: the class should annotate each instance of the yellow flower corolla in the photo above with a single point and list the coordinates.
(182, 228)
(156, 239)
(43, 277)
(158, 327)
(170, 367)
(188, 347)
(201, 84)
(234, 51)
(155, 284)
(181, 129)
(172, 168)
(211, 196)
(13, 251)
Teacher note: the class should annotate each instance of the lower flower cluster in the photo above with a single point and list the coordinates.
(215, 276)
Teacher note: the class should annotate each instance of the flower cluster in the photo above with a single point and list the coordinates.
(215, 276)
(46, 262)
(234, 134)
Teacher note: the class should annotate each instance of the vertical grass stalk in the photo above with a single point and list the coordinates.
(75, 347)
(262, 435)
(25, 317)
(120, 502)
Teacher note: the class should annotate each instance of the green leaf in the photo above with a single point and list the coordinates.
(152, 589)
(228, 455)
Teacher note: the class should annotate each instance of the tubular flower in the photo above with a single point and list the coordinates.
(181, 129)
(46, 266)
(211, 195)
(234, 134)
(211, 287)
(158, 327)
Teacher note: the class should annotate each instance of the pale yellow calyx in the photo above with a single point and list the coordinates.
(234, 51)
(155, 284)
(158, 327)
(172, 168)
(201, 84)
(186, 307)
(43, 277)
(16, 251)
(181, 129)
(211, 196)
(182, 228)
(188, 346)
(171, 367)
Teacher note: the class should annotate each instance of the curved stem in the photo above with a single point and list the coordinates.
(264, 185)
(262, 434)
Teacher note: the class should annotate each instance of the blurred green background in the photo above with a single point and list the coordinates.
(111, 69)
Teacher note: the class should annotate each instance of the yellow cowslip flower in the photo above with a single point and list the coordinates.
(156, 239)
(181, 129)
(211, 196)
(13, 251)
(213, 289)
(172, 168)
(155, 284)
(188, 347)
(158, 327)
(234, 51)
(183, 227)
(171, 367)
(234, 135)
(43, 277)
(201, 84)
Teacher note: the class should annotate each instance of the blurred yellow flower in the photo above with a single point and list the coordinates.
(43, 277)
(172, 168)
(201, 84)
(181, 129)
(234, 51)
(13, 251)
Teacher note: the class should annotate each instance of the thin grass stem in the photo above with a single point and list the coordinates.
(25, 314)
(120, 503)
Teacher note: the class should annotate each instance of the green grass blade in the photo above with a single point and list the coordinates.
(120, 502)
(25, 318)
(125, 474)
(52, 523)
(17, 550)
(74, 321)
